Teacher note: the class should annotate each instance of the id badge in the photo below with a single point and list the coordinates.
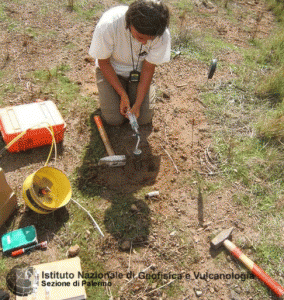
(134, 76)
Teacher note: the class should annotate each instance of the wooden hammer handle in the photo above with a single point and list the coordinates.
(104, 136)
(255, 269)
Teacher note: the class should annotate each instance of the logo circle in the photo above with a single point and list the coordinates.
(22, 280)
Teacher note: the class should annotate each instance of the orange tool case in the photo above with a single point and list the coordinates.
(32, 118)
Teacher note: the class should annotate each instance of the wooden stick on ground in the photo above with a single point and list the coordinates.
(136, 276)
(177, 170)
(129, 258)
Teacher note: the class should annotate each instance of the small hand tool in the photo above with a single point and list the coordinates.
(212, 68)
(112, 160)
(137, 152)
(42, 245)
(223, 239)
(133, 122)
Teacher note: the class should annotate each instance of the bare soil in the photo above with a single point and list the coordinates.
(176, 147)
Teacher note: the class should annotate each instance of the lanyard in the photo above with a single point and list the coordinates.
(132, 54)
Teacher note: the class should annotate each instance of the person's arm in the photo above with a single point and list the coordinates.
(146, 76)
(112, 78)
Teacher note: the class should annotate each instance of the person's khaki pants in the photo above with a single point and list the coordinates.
(110, 100)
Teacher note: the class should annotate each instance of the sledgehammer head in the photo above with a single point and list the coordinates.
(221, 237)
(113, 161)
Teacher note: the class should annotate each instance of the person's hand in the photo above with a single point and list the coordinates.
(135, 110)
(124, 104)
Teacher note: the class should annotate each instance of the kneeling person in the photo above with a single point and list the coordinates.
(128, 43)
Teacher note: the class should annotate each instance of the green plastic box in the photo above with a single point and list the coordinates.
(17, 239)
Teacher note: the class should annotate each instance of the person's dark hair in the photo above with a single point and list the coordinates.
(150, 17)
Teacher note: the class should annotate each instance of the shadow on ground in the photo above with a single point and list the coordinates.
(17, 160)
(128, 218)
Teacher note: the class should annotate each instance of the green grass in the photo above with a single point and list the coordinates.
(87, 10)
(184, 5)
(12, 24)
(2, 12)
(253, 162)
(271, 125)
(128, 2)
(215, 45)
(200, 46)
(124, 224)
(271, 57)
(273, 85)
(272, 49)
(88, 251)
(249, 112)
(174, 289)
(278, 8)
(55, 83)
(9, 88)
(2, 265)
(256, 161)
(3, 270)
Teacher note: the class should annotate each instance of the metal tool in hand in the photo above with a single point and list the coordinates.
(137, 152)
(112, 160)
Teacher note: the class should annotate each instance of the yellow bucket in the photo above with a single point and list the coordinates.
(46, 190)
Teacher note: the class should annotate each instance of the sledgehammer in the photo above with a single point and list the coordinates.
(223, 239)
(112, 160)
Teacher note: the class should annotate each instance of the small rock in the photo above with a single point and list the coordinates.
(207, 224)
(234, 296)
(154, 285)
(208, 4)
(203, 129)
(152, 194)
(74, 250)
(198, 293)
(173, 233)
(134, 207)
(196, 239)
(166, 95)
(136, 288)
(160, 99)
(88, 59)
(126, 245)
(153, 267)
